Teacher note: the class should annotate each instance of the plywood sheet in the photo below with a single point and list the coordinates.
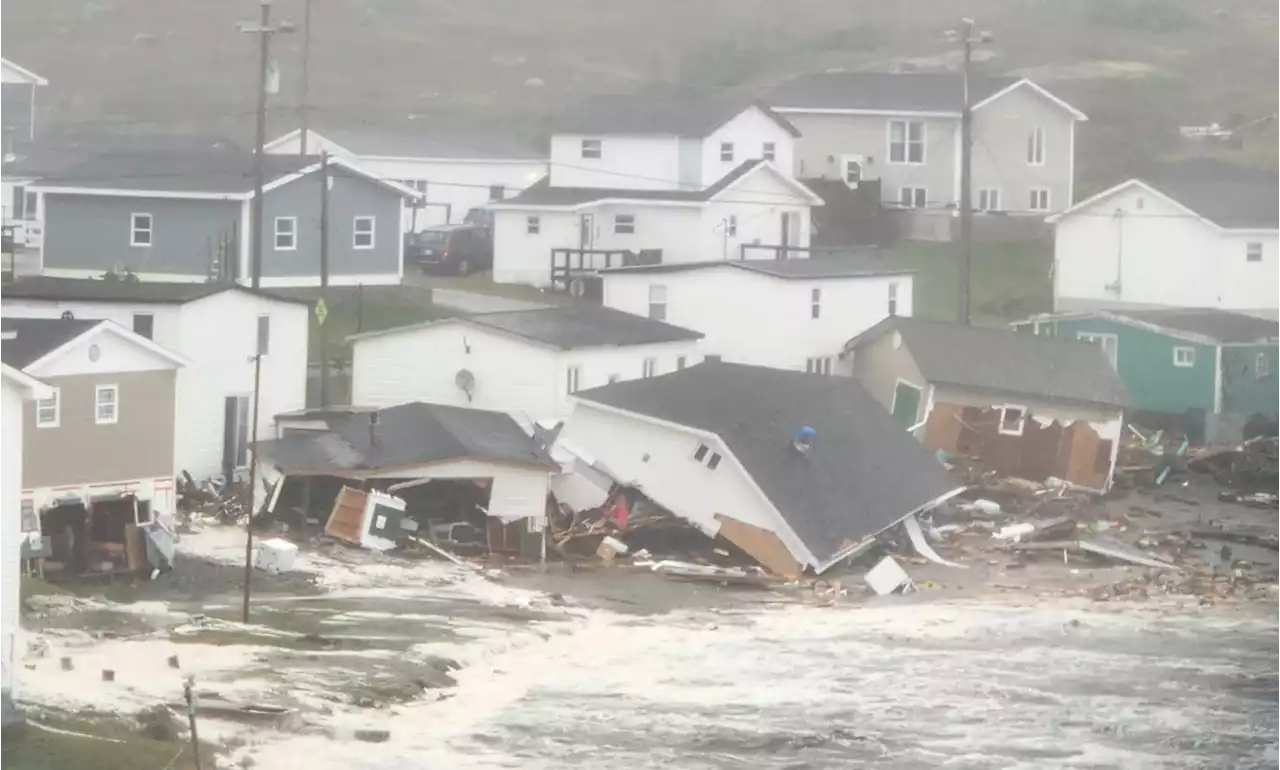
(761, 545)
(942, 429)
(346, 520)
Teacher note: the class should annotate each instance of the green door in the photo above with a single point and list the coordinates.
(906, 403)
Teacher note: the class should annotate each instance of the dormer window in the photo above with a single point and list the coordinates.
(591, 149)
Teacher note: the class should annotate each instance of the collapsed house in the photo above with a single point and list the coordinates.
(469, 479)
(797, 470)
(1019, 404)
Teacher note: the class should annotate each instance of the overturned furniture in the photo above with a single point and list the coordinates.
(450, 469)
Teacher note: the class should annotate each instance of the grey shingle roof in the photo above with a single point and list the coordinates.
(36, 337)
(1233, 203)
(408, 434)
(152, 292)
(660, 109)
(998, 359)
(213, 171)
(1220, 325)
(429, 142)
(864, 473)
(582, 326)
(920, 92)
(851, 265)
(541, 193)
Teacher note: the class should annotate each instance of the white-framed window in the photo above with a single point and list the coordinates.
(649, 367)
(1012, 419)
(106, 404)
(820, 365)
(533, 225)
(1183, 357)
(679, 363)
(1035, 146)
(49, 411)
(497, 192)
(913, 197)
(1253, 251)
(264, 335)
(713, 461)
(1109, 343)
(362, 233)
(286, 233)
(1039, 199)
(770, 151)
(591, 149)
(658, 302)
(893, 299)
(906, 141)
(572, 375)
(703, 455)
(140, 229)
(989, 199)
(815, 303)
(417, 185)
(1261, 367)
(624, 224)
(726, 152)
(853, 170)
(731, 225)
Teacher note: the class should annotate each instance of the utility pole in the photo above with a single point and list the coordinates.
(322, 309)
(265, 30)
(304, 114)
(967, 36)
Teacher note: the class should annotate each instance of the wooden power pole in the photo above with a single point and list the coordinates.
(322, 307)
(968, 36)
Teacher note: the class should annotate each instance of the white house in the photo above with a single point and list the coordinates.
(788, 314)
(1188, 242)
(795, 469)
(665, 175)
(16, 388)
(453, 173)
(218, 328)
(526, 362)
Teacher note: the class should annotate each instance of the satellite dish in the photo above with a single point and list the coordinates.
(466, 382)
(577, 287)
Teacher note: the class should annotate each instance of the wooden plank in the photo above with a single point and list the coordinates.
(761, 545)
(135, 553)
(346, 520)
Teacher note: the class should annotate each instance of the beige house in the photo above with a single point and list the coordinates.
(1020, 404)
(903, 129)
(98, 449)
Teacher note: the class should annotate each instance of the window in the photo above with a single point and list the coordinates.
(1011, 419)
(913, 197)
(624, 224)
(1039, 199)
(906, 141)
(893, 299)
(818, 365)
(1253, 251)
(264, 335)
(731, 225)
(1035, 146)
(591, 148)
(417, 185)
(852, 170)
(1184, 358)
(815, 303)
(701, 452)
(48, 411)
(533, 225)
(144, 324)
(286, 233)
(988, 199)
(497, 192)
(571, 379)
(726, 152)
(106, 404)
(140, 230)
(713, 461)
(649, 367)
(770, 151)
(31, 206)
(658, 302)
(1261, 367)
(712, 358)
(362, 233)
(1110, 344)
(679, 363)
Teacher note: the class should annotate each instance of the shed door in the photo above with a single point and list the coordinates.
(517, 495)
(906, 404)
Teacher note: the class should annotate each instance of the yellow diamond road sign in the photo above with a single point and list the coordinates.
(322, 311)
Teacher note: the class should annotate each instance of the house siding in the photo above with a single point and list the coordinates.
(879, 366)
(139, 446)
(1000, 133)
(628, 162)
(92, 232)
(350, 197)
(11, 518)
(748, 131)
(1244, 393)
(16, 107)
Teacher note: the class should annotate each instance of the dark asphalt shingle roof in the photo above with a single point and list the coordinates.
(920, 92)
(408, 434)
(851, 265)
(582, 326)
(999, 359)
(659, 109)
(1220, 325)
(36, 337)
(429, 142)
(1232, 203)
(151, 292)
(227, 171)
(542, 193)
(864, 473)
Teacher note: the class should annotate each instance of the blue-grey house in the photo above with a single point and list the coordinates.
(187, 216)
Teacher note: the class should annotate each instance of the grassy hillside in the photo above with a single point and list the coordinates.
(1138, 67)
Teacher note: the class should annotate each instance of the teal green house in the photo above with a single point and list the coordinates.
(1212, 373)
